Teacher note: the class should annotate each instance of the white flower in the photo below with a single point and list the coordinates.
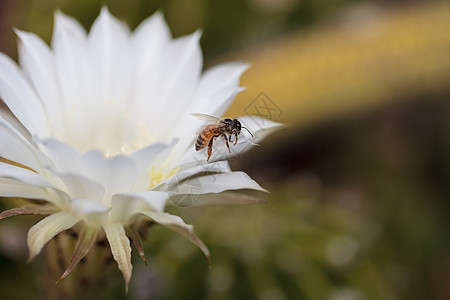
(105, 131)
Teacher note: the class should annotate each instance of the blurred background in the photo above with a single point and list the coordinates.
(359, 177)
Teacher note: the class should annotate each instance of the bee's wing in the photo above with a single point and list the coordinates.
(200, 129)
(205, 117)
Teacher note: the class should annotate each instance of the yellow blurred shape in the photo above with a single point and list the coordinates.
(368, 58)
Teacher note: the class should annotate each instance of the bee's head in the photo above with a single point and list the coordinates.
(237, 126)
(228, 121)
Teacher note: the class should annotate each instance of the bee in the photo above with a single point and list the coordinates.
(224, 128)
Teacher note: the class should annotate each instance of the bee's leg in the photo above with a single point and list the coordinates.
(236, 135)
(210, 148)
(226, 142)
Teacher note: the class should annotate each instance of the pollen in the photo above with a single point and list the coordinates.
(160, 174)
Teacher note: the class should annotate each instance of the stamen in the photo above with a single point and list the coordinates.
(159, 175)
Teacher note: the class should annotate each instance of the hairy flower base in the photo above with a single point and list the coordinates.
(93, 257)
(92, 275)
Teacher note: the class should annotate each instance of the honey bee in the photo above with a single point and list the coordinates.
(224, 128)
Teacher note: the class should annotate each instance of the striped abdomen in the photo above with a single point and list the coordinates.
(209, 132)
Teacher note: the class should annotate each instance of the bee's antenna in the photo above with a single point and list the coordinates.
(248, 131)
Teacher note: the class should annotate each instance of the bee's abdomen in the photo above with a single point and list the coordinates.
(202, 141)
(204, 137)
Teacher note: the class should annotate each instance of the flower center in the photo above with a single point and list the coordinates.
(107, 127)
(158, 175)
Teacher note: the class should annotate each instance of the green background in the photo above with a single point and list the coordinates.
(359, 196)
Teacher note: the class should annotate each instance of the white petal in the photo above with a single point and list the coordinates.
(153, 157)
(80, 187)
(84, 207)
(95, 167)
(91, 165)
(120, 248)
(42, 232)
(216, 183)
(125, 205)
(223, 76)
(227, 198)
(217, 89)
(101, 175)
(177, 224)
(167, 219)
(64, 157)
(181, 75)
(228, 94)
(148, 41)
(110, 59)
(145, 158)
(70, 25)
(14, 188)
(171, 85)
(5, 123)
(21, 98)
(69, 44)
(12, 120)
(258, 125)
(38, 62)
(123, 173)
(217, 167)
(23, 175)
(16, 148)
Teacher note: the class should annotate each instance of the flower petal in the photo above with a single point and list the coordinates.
(9, 123)
(38, 62)
(83, 207)
(216, 167)
(173, 84)
(123, 172)
(23, 175)
(113, 175)
(8, 117)
(216, 183)
(69, 44)
(14, 188)
(80, 187)
(42, 232)
(21, 98)
(177, 224)
(110, 59)
(86, 240)
(125, 205)
(149, 40)
(259, 126)
(146, 157)
(67, 160)
(137, 241)
(120, 248)
(219, 77)
(34, 209)
(17, 149)
(228, 198)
